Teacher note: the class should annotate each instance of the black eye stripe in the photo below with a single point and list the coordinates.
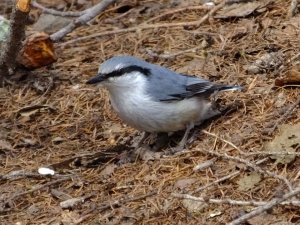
(128, 69)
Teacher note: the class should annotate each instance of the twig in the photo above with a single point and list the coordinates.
(108, 205)
(227, 177)
(273, 153)
(36, 188)
(293, 8)
(283, 117)
(269, 205)
(251, 165)
(83, 19)
(206, 164)
(172, 55)
(150, 26)
(227, 142)
(39, 187)
(251, 153)
(15, 175)
(14, 41)
(176, 11)
(72, 202)
(56, 12)
(231, 201)
(128, 199)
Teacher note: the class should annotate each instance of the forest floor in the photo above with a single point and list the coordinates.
(52, 119)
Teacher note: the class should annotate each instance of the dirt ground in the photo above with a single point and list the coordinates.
(51, 118)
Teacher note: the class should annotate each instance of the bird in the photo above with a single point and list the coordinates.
(154, 99)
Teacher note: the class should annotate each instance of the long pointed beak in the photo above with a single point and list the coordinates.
(97, 79)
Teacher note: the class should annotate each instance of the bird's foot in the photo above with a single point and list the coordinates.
(178, 148)
(138, 143)
(162, 140)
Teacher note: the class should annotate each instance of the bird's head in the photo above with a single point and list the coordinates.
(120, 71)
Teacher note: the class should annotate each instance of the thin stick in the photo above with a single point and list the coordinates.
(231, 201)
(251, 165)
(150, 26)
(273, 153)
(56, 12)
(176, 11)
(172, 55)
(39, 187)
(83, 19)
(269, 205)
(109, 205)
(227, 177)
(227, 142)
(283, 117)
(19, 174)
(251, 153)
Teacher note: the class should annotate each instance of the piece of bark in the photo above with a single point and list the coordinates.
(37, 51)
(291, 77)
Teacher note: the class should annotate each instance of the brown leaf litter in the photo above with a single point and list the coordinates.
(49, 118)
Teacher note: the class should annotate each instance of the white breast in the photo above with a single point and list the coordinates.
(139, 110)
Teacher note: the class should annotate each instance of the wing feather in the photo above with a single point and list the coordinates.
(170, 86)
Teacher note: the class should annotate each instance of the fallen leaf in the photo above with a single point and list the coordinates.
(57, 4)
(33, 210)
(268, 219)
(249, 181)
(108, 170)
(241, 9)
(194, 207)
(50, 23)
(145, 153)
(69, 217)
(60, 195)
(150, 177)
(29, 111)
(183, 183)
(288, 140)
(286, 29)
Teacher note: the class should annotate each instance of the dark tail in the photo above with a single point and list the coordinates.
(221, 87)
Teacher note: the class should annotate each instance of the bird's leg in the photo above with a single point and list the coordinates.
(161, 141)
(145, 135)
(182, 143)
(131, 155)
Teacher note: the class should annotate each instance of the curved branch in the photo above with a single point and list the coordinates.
(83, 19)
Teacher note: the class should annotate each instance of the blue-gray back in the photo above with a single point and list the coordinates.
(165, 84)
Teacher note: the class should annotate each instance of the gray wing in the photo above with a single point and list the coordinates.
(166, 85)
